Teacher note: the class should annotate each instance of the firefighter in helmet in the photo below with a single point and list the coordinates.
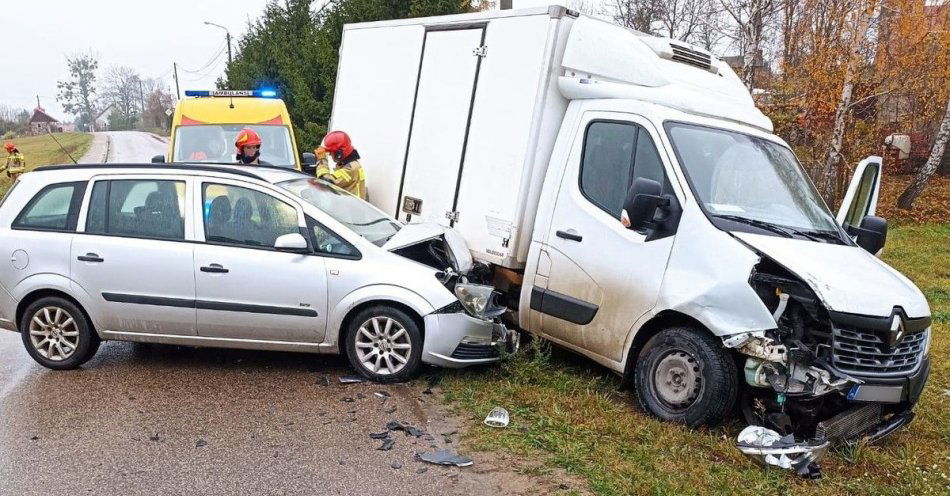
(348, 173)
(16, 163)
(248, 146)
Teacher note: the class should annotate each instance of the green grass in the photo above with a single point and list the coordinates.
(42, 150)
(568, 412)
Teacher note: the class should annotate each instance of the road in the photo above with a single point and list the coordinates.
(135, 147)
(154, 419)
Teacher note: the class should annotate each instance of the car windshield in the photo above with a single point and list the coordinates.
(214, 143)
(750, 180)
(363, 218)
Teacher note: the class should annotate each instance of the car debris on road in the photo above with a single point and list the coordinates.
(770, 448)
(445, 457)
(497, 417)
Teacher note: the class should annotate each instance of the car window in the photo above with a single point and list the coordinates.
(615, 153)
(55, 208)
(861, 202)
(139, 208)
(328, 243)
(242, 216)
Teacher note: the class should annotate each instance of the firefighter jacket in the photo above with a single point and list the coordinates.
(349, 174)
(15, 164)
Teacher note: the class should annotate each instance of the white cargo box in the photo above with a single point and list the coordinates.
(452, 115)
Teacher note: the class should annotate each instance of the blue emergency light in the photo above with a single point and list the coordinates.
(233, 93)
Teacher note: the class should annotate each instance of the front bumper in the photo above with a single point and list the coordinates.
(458, 340)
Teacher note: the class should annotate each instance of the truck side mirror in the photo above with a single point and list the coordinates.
(643, 199)
(158, 159)
(872, 234)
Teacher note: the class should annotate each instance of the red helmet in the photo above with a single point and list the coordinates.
(247, 137)
(10, 146)
(338, 143)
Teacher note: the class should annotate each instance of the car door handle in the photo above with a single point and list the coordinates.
(215, 269)
(569, 235)
(90, 257)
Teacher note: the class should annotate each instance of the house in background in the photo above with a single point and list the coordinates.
(101, 121)
(42, 123)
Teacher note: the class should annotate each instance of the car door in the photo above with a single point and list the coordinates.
(861, 198)
(132, 256)
(246, 289)
(603, 277)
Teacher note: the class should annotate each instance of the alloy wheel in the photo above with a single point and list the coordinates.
(54, 333)
(383, 345)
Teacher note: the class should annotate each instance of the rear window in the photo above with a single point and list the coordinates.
(6, 194)
(54, 208)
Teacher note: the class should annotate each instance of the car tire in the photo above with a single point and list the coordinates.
(684, 375)
(384, 344)
(57, 334)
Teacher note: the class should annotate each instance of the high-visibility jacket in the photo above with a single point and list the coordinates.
(350, 177)
(15, 164)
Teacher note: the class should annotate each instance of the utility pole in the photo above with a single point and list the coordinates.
(227, 36)
(177, 90)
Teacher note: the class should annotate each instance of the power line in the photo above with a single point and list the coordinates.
(213, 59)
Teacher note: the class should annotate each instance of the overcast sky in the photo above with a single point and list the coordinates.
(147, 36)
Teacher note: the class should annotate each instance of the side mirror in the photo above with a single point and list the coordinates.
(293, 242)
(158, 159)
(308, 159)
(643, 199)
(872, 234)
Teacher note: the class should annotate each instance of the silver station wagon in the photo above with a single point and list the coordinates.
(235, 257)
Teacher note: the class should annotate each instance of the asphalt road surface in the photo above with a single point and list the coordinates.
(135, 147)
(154, 419)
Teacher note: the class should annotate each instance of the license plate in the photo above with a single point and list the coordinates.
(877, 394)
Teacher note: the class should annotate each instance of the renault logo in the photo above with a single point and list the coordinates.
(897, 331)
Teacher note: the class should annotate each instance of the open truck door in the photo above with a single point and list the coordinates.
(861, 198)
(857, 210)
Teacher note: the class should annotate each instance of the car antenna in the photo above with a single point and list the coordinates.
(61, 146)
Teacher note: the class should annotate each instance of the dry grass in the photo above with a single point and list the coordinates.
(42, 150)
(567, 412)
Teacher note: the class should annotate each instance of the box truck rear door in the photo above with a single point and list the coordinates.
(440, 121)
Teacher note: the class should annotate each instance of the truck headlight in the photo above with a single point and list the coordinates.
(479, 300)
(927, 340)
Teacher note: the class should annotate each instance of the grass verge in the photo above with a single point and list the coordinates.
(568, 412)
(42, 150)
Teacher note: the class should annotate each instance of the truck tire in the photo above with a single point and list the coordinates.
(57, 334)
(684, 375)
(384, 344)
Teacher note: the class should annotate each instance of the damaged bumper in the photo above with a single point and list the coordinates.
(457, 340)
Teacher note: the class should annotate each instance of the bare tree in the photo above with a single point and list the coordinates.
(635, 14)
(122, 90)
(860, 21)
(78, 93)
(751, 18)
(907, 198)
(681, 19)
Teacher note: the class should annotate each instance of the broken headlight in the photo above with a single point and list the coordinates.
(478, 300)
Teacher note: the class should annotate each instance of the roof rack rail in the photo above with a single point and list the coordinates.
(165, 166)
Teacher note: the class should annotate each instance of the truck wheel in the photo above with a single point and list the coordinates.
(57, 335)
(685, 376)
(384, 344)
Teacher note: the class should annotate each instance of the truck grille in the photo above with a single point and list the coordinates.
(867, 353)
(467, 351)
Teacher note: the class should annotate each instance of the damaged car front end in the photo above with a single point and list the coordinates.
(469, 331)
(823, 377)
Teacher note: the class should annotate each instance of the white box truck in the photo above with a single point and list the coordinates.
(631, 203)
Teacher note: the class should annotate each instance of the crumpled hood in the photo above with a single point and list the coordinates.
(412, 234)
(846, 278)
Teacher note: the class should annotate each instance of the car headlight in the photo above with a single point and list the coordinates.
(478, 300)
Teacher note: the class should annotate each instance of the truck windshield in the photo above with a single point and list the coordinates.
(753, 181)
(363, 218)
(215, 143)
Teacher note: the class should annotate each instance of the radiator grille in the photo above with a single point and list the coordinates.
(466, 351)
(868, 353)
(692, 57)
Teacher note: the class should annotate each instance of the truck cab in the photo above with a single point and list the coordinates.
(206, 124)
(629, 202)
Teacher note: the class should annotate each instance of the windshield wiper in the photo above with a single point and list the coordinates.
(364, 224)
(768, 226)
